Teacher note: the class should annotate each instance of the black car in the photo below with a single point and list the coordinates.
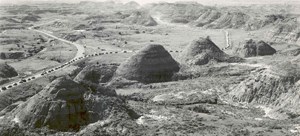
(9, 86)
(24, 80)
(3, 88)
(15, 84)
(32, 77)
(125, 51)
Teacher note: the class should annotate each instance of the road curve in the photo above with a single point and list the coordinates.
(80, 48)
(79, 55)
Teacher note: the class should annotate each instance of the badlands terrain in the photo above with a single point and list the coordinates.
(109, 68)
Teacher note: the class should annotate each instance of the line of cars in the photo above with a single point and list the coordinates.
(175, 51)
(56, 68)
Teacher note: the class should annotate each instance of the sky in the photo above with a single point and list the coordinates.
(204, 2)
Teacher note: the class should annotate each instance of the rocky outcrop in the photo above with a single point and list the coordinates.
(285, 32)
(186, 97)
(96, 74)
(140, 18)
(31, 18)
(255, 23)
(253, 48)
(178, 12)
(249, 18)
(132, 4)
(277, 86)
(203, 50)
(80, 27)
(291, 52)
(6, 71)
(12, 55)
(290, 100)
(151, 64)
(229, 20)
(64, 105)
(60, 106)
(73, 37)
(207, 17)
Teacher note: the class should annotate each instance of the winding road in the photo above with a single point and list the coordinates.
(79, 55)
(80, 48)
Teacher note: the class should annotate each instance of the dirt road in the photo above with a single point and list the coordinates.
(79, 55)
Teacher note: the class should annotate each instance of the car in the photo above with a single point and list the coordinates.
(116, 52)
(32, 77)
(110, 52)
(171, 51)
(24, 80)
(124, 51)
(15, 84)
(29, 79)
(9, 86)
(106, 52)
(3, 88)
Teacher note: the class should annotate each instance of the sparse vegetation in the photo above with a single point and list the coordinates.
(109, 68)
